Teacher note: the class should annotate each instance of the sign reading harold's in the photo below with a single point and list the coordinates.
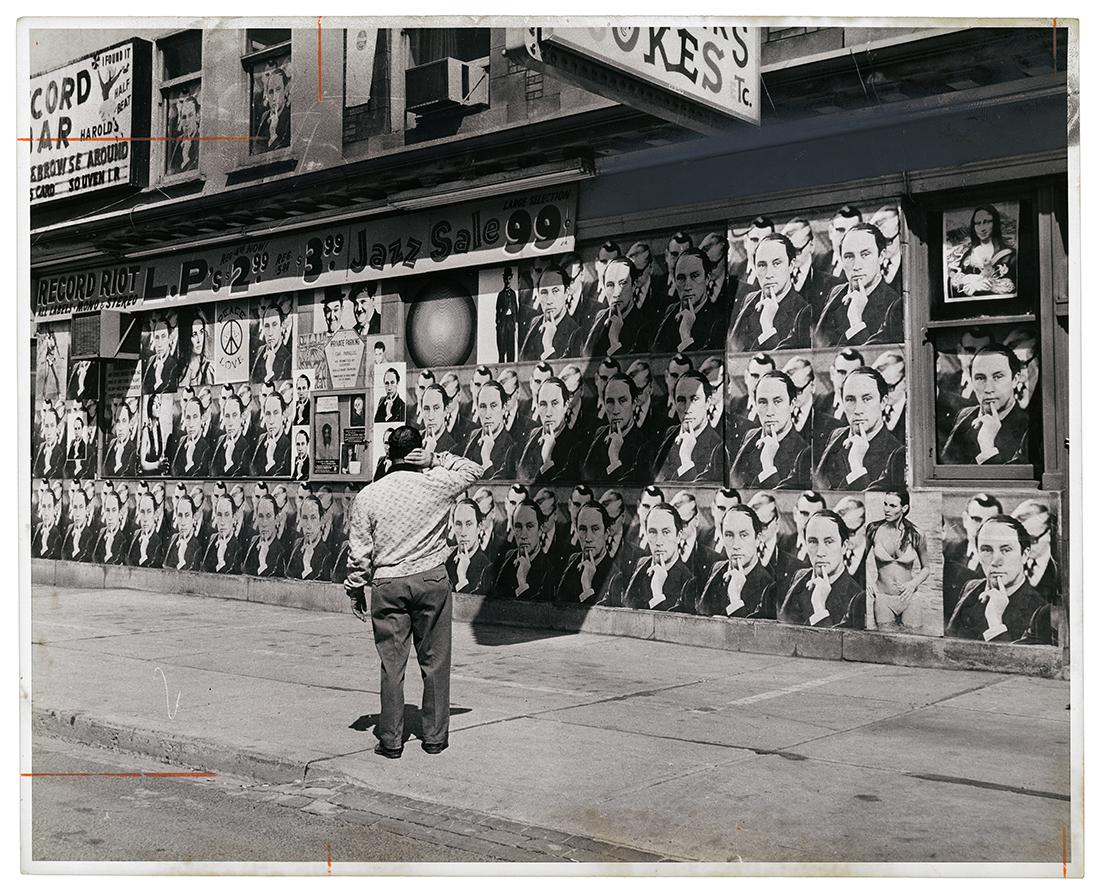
(494, 231)
(83, 116)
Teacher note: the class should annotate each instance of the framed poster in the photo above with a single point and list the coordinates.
(340, 435)
(980, 245)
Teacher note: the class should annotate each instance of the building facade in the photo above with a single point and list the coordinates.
(808, 375)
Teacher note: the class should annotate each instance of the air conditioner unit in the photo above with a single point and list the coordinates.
(105, 334)
(446, 84)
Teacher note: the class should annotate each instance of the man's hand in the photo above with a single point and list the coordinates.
(997, 602)
(819, 582)
(420, 457)
(989, 426)
(735, 583)
(768, 308)
(549, 330)
(857, 304)
(358, 598)
(614, 448)
(687, 322)
(769, 447)
(615, 329)
(858, 445)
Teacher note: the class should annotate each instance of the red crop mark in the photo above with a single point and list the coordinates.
(1063, 852)
(328, 852)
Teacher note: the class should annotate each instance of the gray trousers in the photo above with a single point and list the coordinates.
(416, 606)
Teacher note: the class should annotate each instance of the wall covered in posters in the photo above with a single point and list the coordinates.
(713, 420)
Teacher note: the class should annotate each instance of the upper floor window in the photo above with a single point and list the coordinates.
(181, 99)
(267, 61)
(429, 44)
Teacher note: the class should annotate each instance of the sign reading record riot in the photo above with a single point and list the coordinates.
(512, 227)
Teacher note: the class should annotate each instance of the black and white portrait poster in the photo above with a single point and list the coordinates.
(160, 362)
(979, 252)
(52, 359)
(389, 393)
(275, 322)
(988, 397)
(1001, 580)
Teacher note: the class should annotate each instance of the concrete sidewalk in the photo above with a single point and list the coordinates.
(682, 752)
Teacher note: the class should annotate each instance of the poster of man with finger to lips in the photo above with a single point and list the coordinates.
(863, 455)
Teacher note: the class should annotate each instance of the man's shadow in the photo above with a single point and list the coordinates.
(413, 726)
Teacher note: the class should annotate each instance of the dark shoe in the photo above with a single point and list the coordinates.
(433, 748)
(388, 753)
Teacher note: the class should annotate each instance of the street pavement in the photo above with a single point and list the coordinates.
(610, 748)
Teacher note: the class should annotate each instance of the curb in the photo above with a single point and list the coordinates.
(450, 825)
(190, 752)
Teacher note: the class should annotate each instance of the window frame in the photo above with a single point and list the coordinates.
(164, 86)
(923, 217)
(249, 61)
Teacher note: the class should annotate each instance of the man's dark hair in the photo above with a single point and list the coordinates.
(554, 270)
(848, 211)
(681, 360)
(472, 504)
(841, 527)
(653, 491)
(436, 387)
(788, 246)
(881, 242)
(744, 508)
(732, 493)
(876, 377)
(792, 389)
(682, 238)
(632, 387)
(599, 508)
(1012, 522)
(396, 375)
(378, 345)
(762, 223)
(612, 247)
(670, 509)
(403, 441)
(850, 354)
(540, 516)
(696, 376)
(1007, 353)
(703, 257)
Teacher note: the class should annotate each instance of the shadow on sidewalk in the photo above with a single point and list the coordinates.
(495, 634)
(413, 727)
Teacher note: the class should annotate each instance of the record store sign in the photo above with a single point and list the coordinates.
(718, 67)
(494, 231)
(82, 117)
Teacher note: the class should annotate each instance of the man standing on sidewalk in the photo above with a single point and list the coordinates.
(398, 544)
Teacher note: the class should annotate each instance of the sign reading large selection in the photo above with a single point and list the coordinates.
(507, 228)
(83, 116)
(716, 67)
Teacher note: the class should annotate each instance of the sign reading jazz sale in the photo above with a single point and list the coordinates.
(83, 117)
(717, 67)
(494, 231)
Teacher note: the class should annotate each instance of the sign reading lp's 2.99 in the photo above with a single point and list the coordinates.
(490, 232)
